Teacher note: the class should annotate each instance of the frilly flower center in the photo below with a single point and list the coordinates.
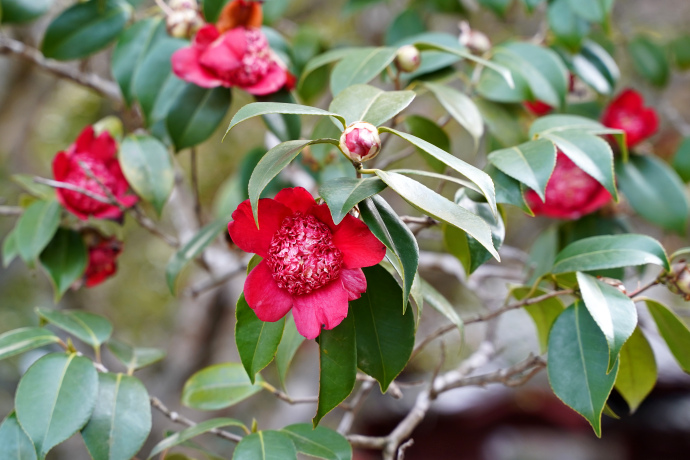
(256, 60)
(302, 256)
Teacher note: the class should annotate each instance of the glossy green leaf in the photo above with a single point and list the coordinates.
(460, 107)
(610, 251)
(326, 58)
(569, 28)
(595, 66)
(55, 399)
(439, 208)
(543, 313)
(370, 104)
(192, 249)
(35, 228)
(338, 366)
(25, 339)
(654, 191)
(501, 122)
(26, 182)
(196, 114)
(148, 168)
(478, 255)
(212, 9)
(286, 127)
(65, 259)
(637, 371)
(530, 163)
(134, 358)
(508, 190)
(681, 160)
(264, 108)
(14, 442)
(650, 60)
(9, 248)
(439, 303)
(192, 432)
(406, 24)
(385, 336)
(577, 364)
(287, 349)
(265, 445)
(343, 193)
(479, 177)
(121, 419)
(360, 66)
(85, 28)
(20, 11)
(591, 10)
(257, 341)
(573, 126)
(543, 253)
(674, 331)
(387, 226)
(88, 327)
(319, 442)
(680, 49)
(613, 311)
(220, 386)
(428, 130)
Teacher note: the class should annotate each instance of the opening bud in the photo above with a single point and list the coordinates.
(476, 41)
(360, 141)
(408, 58)
(184, 19)
(678, 280)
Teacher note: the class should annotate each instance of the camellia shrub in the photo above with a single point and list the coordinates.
(419, 142)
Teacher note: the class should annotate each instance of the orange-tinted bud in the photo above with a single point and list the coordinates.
(240, 13)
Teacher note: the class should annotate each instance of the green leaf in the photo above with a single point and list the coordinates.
(500, 7)
(366, 103)
(650, 60)
(674, 331)
(326, 58)
(130, 50)
(406, 24)
(191, 250)
(476, 252)
(274, 161)
(192, 432)
(543, 313)
(577, 365)
(385, 336)
(508, 190)
(654, 191)
(573, 126)
(461, 108)
(681, 160)
(530, 163)
(286, 127)
(35, 228)
(25, 339)
(360, 66)
(428, 130)
(568, 28)
(440, 208)
(343, 193)
(14, 442)
(387, 226)
(196, 114)
(212, 8)
(88, 327)
(65, 259)
(610, 251)
(287, 349)
(19, 11)
(501, 122)
(613, 311)
(148, 168)
(121, 420)
(338, 366)
(134, 358)
(479, 177)
(264, 108)
(591, 10)
(265, 445)
(439, 303)
(595, 66)
(319, 442)
(257, 341)
(637, 371)
(55, 399)
(9, 248)
(85, 28)
(680, 49)
(40, 191)
(220, 386)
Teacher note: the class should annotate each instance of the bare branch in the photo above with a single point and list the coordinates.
(287, 398)
(354, 406)
(212, 283)
(11, 210)
(73, 188)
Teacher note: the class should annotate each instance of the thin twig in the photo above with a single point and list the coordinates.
(212, 283)
(195, 184)
(355, 404)
(181, 419)
(287, 398)
(403, 447)
(11, 210)
(73, 188)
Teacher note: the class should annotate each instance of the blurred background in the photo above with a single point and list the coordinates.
(41, 115)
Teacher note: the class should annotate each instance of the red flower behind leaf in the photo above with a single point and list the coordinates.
(627, 112)
(538, 108)
(570, 193)
(99, 156)
(310, 265)
(102, 261)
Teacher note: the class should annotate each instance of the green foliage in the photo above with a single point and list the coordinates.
(319, 442)
(25, 339)
(90, 328)
(650, 60)
(35, 229)
(191, 432)
(370, 104)
(530, 163)
(637, 371)
(196, 114)
(265, 445)
(14, 442)
(65, 259)
(219, 386)
(134, 358)
(673, 330)
(344, 193)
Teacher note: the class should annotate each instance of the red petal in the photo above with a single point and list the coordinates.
(275, 78)
(269, 302)
(103, 147)
(60, 166)
(354, 282)
(297, 199)
(108, 212)
(651, 121)
(628, 100)
(322, 213)
(243, 230)
(359, 246)
(224, 55)
(326, 306)
(205, 36)
(185, 64)
(83, 142)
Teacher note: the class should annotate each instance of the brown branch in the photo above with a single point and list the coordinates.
(65, 71)
(287, 398)
(354, 406)
(182, 420)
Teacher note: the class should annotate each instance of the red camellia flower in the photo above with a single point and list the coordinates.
(98, 156)
(570, 194)
(627, 112)
(102, 264)
(310, 265)
(538, 108)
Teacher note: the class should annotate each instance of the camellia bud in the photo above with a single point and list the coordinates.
(476, 41)
(360, 141)
(678, 281)
(408, 58)
(184, 20)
